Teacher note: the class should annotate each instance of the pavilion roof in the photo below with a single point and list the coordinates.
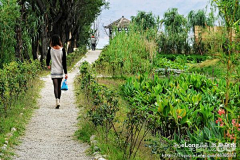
(120, 23)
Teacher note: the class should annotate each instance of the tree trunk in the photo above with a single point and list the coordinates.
(34, 39)
(25, 53)
(19, 45)
(45, 45)
(18, 31)
(34, 47)
(44, 39)
(23, 20)
(75, 43)
(71, 46)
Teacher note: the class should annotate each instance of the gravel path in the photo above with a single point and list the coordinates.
(49, 134)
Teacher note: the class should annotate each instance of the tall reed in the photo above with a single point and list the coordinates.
(129, 52)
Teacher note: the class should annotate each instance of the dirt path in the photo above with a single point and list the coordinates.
(49, 134)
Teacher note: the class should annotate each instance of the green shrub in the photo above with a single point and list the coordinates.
(14, 81)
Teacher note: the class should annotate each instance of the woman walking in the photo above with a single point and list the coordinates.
(57, 54)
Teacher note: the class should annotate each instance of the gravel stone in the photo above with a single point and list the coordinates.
(98, 156)
(4, 147)
(49, 134)
(104, 156)
(96, 153)
(13, 129)
(92, 137)
(94, 142)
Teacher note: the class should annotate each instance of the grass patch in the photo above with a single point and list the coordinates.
(86, 128)
(188, 58)
(17, 118)
(109, 148)
(114, 152)
(213, 68)
(85, 132)
(208, 63)
(111, 83)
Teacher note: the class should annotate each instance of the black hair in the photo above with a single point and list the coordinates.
(55, 40)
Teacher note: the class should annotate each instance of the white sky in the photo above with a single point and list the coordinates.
(128, 8)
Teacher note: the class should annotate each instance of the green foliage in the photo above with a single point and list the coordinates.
(105, 104)
(145, 20)
(204, 141)
(163, 63)
(103, 113)
(17, 117)
(179, 100)
(229, 10)
(174, 22)
(174, 39)
(88, 13)
(26, 26)
(86, 131)
(213, 71)
(127, 53)
(174, 110)
(186, 58)
(177, 106)
(15, 79)
(72, 58)
(9, 14)
(176, 64)
(199, 18)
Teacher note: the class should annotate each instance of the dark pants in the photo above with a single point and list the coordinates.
(93, 46)
(57, 87)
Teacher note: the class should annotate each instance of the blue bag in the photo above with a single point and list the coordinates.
(64, 85)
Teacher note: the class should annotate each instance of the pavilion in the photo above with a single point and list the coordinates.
(120, 25)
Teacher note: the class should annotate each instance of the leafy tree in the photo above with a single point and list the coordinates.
(176, 33)
(199, 18)
(69, 19)
(145, 20)
(174, 22)
(30, 24)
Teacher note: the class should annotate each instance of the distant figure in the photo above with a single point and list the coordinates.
(93, 42)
